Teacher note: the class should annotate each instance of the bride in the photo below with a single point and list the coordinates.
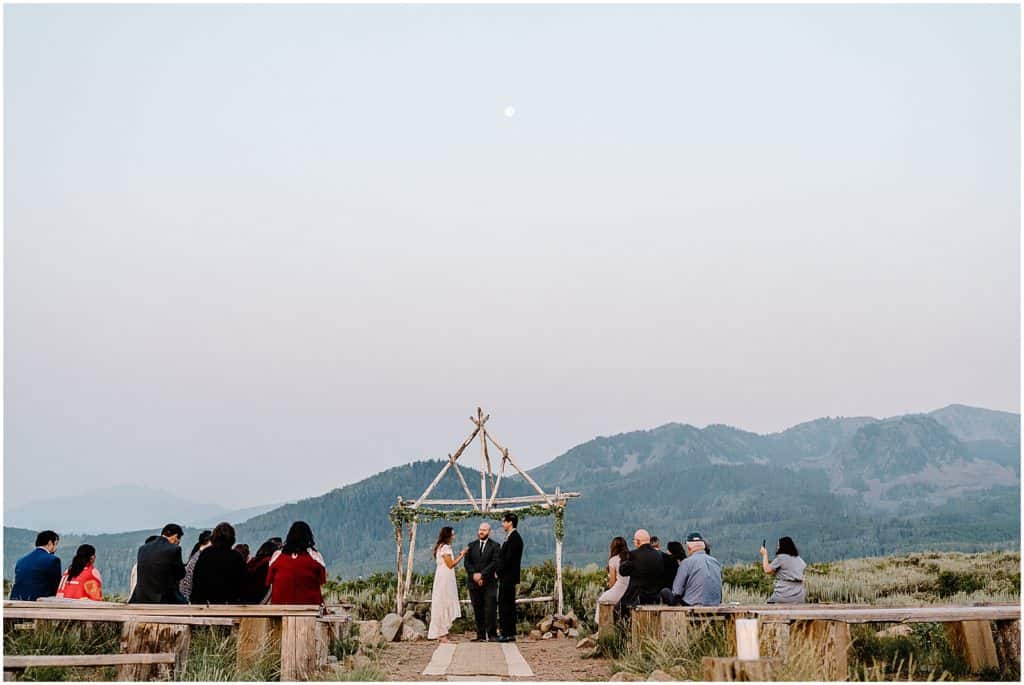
(444, 600)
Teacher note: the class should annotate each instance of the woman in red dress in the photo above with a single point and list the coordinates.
(297, 571)
(82, 580)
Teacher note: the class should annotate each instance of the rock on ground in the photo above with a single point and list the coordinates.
(660, 676)
(586, 643)
(623, 677)
(390, 626)
(369, 632)
(413, 629)
(534, 635)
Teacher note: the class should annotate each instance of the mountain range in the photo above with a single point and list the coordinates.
(105, 510)
(840, 486)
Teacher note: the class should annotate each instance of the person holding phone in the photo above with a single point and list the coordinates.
(788, 569)
(444, 599)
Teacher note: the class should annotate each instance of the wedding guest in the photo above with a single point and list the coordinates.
(617, 583)
(788, 568)
(699, 579)
(37, 574)
(243, 549)
(444, 597)
(644, 567)
(254, 587)
(82, 580)
(297, 571)
(133, 576)
(219, 571)
(160, 569)
(190, 566)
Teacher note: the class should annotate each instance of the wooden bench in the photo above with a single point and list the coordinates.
(985, 636)
(13, 664)
(301, 632)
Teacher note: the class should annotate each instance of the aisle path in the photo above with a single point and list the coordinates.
(478, 661)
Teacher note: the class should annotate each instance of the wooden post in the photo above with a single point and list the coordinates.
(465, 485)
(410, 560)
(483, 455)
(558, 562)
(153, 638)
(256, 637)
(731, 669)
(398, 561)
(746, 639)
(831, 641)
(674, 625)
(303, 647)
(497, 483)
(605, 619)
(1007, 639)
(645, 624)
(774, 639)
(973, 641)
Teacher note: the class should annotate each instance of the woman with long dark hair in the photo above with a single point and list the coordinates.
(220, 570)
(82, 580)
(788, 569)
(254, 587)
(444, 598)
(618, 552)
(185, 585)
(296, 572)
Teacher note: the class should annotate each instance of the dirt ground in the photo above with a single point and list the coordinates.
(549, 660)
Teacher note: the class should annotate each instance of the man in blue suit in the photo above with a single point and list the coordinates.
(37, 574)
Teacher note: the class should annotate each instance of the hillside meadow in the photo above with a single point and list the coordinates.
(918, 652)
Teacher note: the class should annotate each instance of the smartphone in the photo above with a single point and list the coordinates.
(764, 543)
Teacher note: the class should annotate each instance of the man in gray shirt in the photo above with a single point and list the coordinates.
(699, 579)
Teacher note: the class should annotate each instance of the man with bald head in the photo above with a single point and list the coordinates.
(481, 564)
(644, 568)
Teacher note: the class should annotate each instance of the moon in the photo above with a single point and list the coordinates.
(510, 111)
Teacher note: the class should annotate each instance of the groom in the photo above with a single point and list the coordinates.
(481, 563)
(510, 558)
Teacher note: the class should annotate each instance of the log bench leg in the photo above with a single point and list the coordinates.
(303, 647)
(645, 624)
(256, 636)
(150, 638)
(831, 641)
(674, 625)
(730, 669)
(774, 639)
(1007, 639)
(972, 640)
(605, 620)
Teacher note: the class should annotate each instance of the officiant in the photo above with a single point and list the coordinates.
(481, 564)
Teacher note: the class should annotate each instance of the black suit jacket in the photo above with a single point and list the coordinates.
(510, 558)
(671, 568)
(645, 569)
(485, 564)
(160, 569)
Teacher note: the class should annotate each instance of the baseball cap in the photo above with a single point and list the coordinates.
(694, 537)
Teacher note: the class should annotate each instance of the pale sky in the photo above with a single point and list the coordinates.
(255, 253)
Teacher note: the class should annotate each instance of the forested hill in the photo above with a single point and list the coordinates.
(842, 487)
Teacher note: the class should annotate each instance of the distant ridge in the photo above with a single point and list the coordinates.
(841, 486)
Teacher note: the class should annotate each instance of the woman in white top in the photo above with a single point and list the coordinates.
(444, 600)
(617, 584)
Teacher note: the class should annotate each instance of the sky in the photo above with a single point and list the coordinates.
(253, 253)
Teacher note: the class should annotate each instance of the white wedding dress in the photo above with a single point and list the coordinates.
(444, 600)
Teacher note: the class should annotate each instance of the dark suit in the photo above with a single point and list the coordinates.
(159, 571)
(671, 568)
(645, 569)
(510, 559)
(37, 574)
(484, 599)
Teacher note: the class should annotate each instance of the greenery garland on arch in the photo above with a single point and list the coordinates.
(400, 515)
